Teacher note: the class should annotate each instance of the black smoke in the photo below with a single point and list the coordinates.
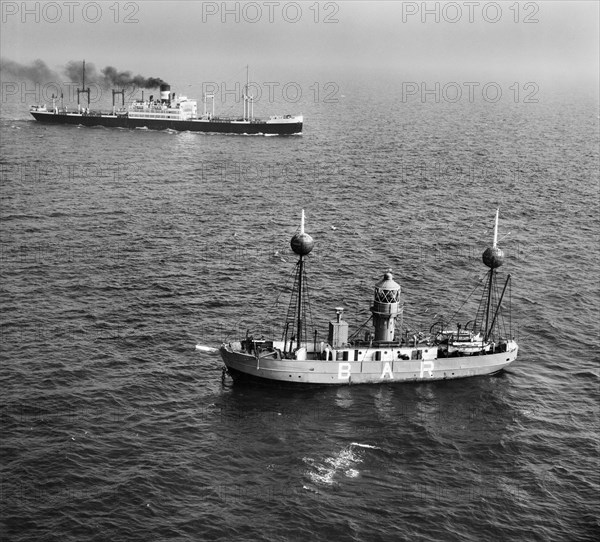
(74, 69)
(109, 76)
(38, 72)
(125, 79)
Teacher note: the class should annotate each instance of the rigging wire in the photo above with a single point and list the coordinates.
(477, 286)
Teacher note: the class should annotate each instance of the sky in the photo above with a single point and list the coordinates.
(199, 41)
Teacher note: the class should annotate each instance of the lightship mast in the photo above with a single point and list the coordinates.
(301, 244)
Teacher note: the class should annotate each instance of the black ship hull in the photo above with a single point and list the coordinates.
(225, 126)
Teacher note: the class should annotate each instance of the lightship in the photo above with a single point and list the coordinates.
(385, 354)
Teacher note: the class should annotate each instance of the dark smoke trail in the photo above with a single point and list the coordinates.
(73, 71)
(109, 76)
(125, 79)
(37, 71)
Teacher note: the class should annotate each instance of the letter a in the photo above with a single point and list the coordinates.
(387, 370)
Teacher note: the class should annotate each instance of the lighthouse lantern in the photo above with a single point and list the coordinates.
(386, 307)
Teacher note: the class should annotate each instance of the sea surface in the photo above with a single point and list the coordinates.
(121, 250)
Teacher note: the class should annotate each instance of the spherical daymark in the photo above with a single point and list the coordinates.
(302, 243)
(493, 257)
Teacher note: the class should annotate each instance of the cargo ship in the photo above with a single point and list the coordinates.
(380, 351)
(169, 112)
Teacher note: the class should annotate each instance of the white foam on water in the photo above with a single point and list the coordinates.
(324, 472)
(365, 445)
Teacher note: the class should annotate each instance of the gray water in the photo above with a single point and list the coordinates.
(121, 250)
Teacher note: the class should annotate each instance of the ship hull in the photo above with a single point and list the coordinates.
(246, 367)
(209, 126)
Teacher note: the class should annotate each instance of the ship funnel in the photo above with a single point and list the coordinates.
(165, 92)
(338, 330)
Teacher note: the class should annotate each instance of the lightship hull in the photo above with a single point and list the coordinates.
(254, 127)
(425, 366)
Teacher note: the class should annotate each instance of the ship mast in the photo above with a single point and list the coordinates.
(489, 299)
(493, 257)
(248, 100)
(83, 90)
(301, 272)
(301, 244)
(245, 94)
